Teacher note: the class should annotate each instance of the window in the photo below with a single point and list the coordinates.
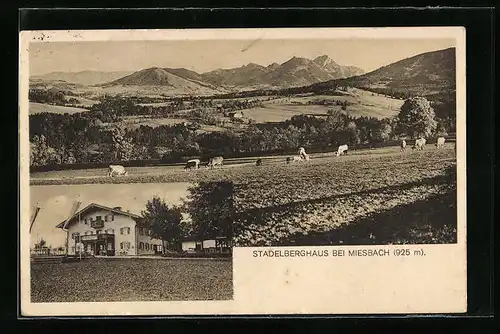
(141, 245)
(85, 221)
(75, 235)
(98, 218)
(147, 246)
(141, 231)
(125, 230)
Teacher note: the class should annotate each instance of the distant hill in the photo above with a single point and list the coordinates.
(180, 80)
(87, 78)
(427, 74)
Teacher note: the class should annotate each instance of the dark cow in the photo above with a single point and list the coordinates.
(192, 164)
(217, 161)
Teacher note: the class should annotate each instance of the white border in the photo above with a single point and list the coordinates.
(244, 304)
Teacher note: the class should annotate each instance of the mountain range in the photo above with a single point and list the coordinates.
(292, 73)
(86, 78)
(429, 74)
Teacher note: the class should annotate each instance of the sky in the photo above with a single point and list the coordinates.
(56, 202)
(206, 55)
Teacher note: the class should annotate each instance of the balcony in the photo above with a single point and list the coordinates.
(94, 237)
(97, 224)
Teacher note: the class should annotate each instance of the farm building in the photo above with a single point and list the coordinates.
(215, 245)
(236, 115)
(110, 231)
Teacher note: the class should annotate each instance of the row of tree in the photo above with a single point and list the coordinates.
(209, 206)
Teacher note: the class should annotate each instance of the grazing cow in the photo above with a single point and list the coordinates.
(259, 162)
(403, 145)
(116, 170)
(217, 161)
(440, 142)
(419, 144)
(302, 152)
(341, 150)
(295, 158)
(192, 164)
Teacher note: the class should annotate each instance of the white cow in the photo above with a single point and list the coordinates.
(419, 144)
(295, 158)
(341, 150)
(440, 142)
(403, 145)
(116, 170)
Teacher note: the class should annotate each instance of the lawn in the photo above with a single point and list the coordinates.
(106, 280)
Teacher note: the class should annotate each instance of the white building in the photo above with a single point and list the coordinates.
(208, 245)
(110, 231)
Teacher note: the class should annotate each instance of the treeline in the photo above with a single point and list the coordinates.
(49, 96)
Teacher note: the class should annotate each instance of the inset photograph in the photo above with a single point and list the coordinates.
(131, 242)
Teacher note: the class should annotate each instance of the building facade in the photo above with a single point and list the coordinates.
(109, 231)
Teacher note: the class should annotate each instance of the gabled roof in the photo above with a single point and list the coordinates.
(100, 207)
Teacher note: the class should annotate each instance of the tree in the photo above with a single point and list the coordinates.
(416, 118)
(383, 132)
(164, 221)
(40, 244)
(210, 206)
(123, 146)
(353, 133)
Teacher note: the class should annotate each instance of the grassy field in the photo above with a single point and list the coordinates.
(378, 196)
(36, 108)
(360, 103)
(278, 112)
(394, 199)
(106, 280)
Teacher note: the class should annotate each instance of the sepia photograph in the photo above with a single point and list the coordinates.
(131, 242)
(325, 145)
(169, 165)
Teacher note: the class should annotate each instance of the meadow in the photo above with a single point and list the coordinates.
(36, 108)
(108, 280)
(360, 103)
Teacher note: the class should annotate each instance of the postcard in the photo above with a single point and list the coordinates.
(243, 172)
